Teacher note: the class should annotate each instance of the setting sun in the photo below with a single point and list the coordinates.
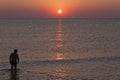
(59, 11)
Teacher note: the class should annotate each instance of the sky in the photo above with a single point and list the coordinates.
(70, 8)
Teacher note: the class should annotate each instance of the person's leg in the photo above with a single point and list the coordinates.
(15, 66)
(11, 66)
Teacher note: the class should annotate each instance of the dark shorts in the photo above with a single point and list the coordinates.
(13, 62)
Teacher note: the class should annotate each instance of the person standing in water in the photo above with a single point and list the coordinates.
(14, 59)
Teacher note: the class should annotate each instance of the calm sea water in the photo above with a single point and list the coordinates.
(61, 49)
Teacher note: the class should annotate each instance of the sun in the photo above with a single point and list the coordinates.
(59, 11)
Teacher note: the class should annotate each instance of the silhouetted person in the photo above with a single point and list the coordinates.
(14, 59)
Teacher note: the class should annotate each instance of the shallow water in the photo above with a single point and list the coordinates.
(61, 49)
(81, 69)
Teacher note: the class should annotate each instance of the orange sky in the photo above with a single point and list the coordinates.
(48, 8)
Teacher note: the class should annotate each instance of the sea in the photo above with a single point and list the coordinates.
(61, 49)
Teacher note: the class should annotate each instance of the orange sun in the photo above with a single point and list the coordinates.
(59, 11)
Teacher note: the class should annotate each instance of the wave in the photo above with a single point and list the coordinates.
(28, 68)
(98, 59)
(66, 61)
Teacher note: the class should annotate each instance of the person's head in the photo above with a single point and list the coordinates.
(15, 50)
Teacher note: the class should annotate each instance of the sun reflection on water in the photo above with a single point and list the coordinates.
(59, 74)
(59, 55)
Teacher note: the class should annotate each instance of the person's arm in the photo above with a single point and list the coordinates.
(18, 59)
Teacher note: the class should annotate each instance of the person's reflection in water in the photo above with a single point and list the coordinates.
(14, 75)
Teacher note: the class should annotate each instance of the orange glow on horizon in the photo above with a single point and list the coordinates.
(59, 8)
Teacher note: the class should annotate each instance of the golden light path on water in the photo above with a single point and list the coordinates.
(59, 71)
(59, 55)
